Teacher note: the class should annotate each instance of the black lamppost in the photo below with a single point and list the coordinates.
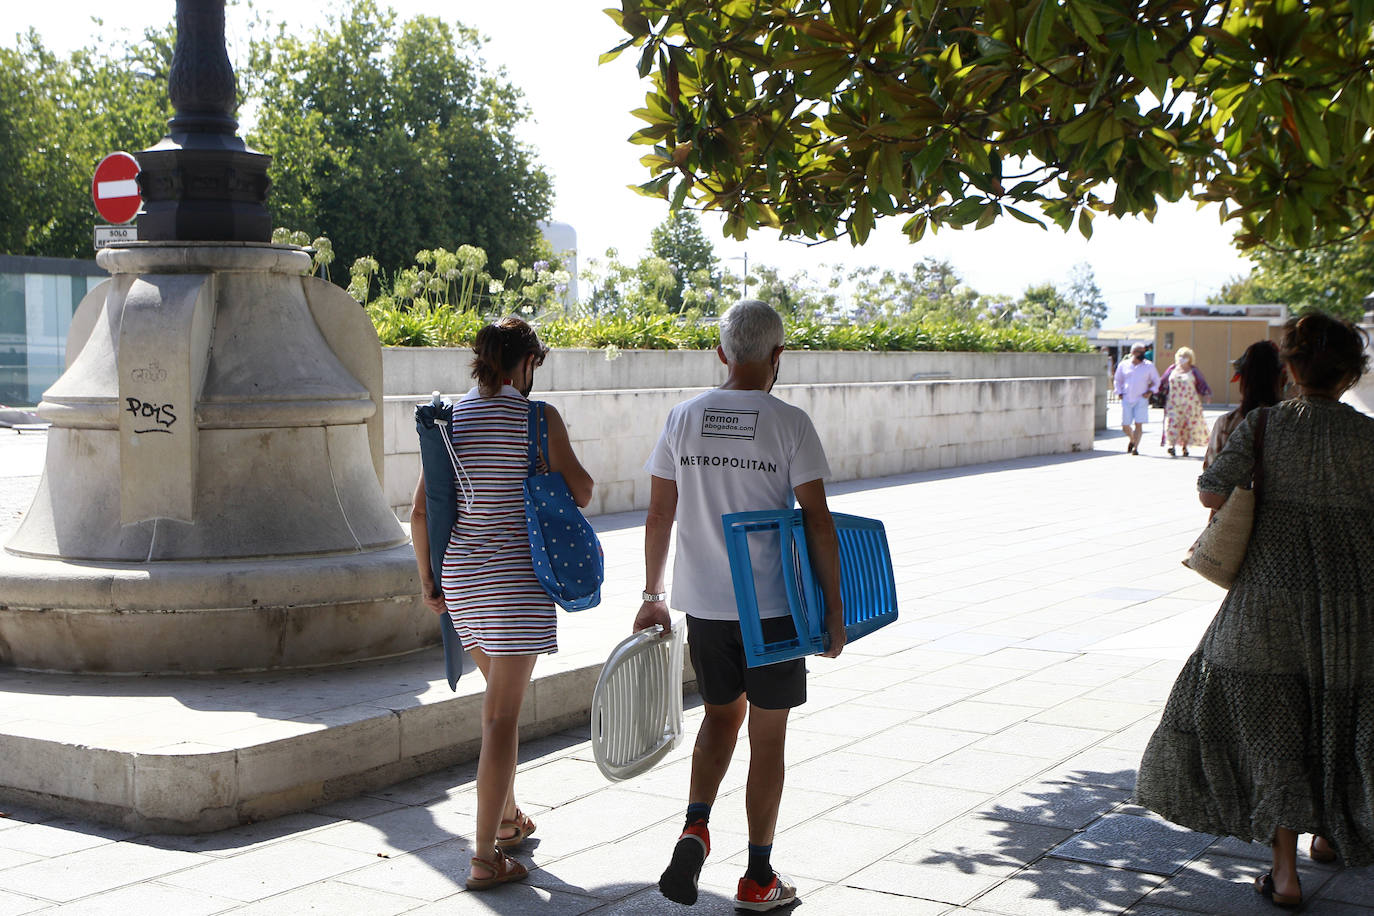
(202, 183)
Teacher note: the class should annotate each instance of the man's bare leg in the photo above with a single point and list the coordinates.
(710, 761)
(714, 748)
(763, 794)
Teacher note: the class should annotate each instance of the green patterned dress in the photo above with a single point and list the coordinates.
(1271, 721)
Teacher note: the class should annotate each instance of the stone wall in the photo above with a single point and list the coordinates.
(869, 429)
(411, 371)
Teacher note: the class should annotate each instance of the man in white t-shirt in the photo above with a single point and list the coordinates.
(737, 448)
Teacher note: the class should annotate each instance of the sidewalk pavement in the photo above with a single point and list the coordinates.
(977, 756)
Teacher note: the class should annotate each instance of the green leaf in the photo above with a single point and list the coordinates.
(1086, 23)
(891, 168)
(1082, 128)
(680, 194)
(1362, 13)
(1315, 142)
(861, 221)
(1039, 27)
(1085, 223)
(1024, 216)
(612, 54)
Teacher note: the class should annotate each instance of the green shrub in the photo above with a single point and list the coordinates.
(444, 300)
(411, 325)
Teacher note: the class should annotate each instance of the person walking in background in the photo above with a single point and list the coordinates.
(1260, 374)
(1135, 380)
(1184, 388)
(1267, 731)
(488, 584)
(737, 448)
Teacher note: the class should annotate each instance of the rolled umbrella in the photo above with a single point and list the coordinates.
(443, 476)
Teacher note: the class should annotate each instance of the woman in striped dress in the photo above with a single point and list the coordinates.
(498, 607)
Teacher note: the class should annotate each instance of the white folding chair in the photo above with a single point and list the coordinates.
(637, 704)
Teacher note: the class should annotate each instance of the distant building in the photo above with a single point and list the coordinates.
(1117, 342)
(37, 299)
(563, 238)
(1217, 335)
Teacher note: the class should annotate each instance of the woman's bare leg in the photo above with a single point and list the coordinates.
(482, 660)
(1285, 862)
(507, 677)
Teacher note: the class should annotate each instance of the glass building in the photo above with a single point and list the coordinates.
(37, 299)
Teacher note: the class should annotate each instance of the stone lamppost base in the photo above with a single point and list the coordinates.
(203, 617)
(211, 496)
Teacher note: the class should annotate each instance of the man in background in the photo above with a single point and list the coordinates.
(1135, 380)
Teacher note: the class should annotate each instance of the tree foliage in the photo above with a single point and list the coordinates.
(392, 138)
(1043, 305)
(680, 241)
(818, 116)
(59, 116)
(931, 290)
(1085, 296)
(1334, 278)
(799, 295)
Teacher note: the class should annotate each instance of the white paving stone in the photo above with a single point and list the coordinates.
(938, 767)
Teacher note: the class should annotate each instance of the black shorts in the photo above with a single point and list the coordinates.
(717, 650)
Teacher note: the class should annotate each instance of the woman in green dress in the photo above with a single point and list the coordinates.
(1269, 730)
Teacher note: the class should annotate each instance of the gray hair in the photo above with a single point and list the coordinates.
(749, 330)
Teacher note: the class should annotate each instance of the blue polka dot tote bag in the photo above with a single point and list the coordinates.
(565, 550)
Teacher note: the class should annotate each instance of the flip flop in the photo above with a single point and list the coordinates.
(523, 826)
(502, 872)
(1264, 885)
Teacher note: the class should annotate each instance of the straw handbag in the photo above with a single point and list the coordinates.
(1218, 552)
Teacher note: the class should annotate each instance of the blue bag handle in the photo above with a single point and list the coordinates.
(538, 436)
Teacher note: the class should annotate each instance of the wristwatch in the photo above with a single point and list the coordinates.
(654, 596)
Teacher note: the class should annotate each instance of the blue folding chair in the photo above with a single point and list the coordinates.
(444, 475)
(867, 584)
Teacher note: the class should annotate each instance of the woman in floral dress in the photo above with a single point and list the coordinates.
(1269, 730)
(1183, 421)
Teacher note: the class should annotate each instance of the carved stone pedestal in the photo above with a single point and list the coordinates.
(211, 497)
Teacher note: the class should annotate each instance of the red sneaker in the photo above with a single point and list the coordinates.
(679, 880)
(776, 893)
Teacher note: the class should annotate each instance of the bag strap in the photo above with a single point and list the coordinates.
(1258, 477)
(460, 474)
(538, 436)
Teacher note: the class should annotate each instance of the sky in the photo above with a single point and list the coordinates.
(581, 119)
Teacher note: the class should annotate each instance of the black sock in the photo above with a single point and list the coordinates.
(760, 871)
(697, 811)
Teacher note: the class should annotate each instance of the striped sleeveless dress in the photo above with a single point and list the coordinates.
(488, 580)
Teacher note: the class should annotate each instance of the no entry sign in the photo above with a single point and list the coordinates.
(115, 188)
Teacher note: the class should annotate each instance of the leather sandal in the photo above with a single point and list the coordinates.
(523, 826)
(1264, 885)
(502, 872)
(1322, 855)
